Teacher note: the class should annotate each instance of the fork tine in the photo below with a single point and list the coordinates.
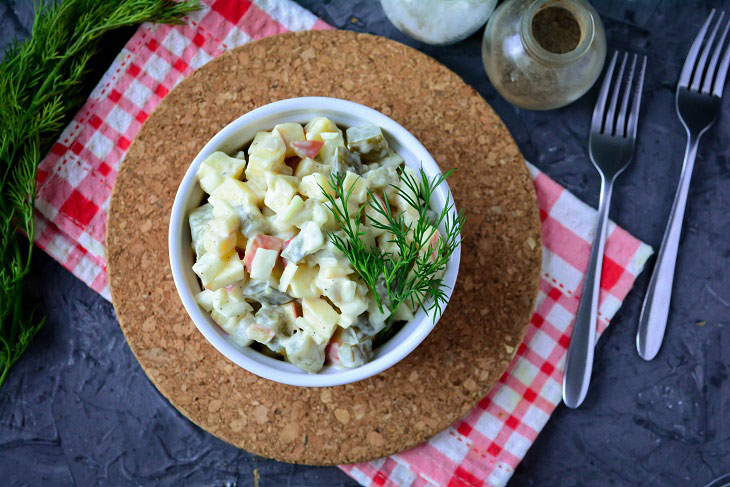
(719, 84)
(712, 68)
(634, 115)
(702, 63)
(597, 121)
(689, 63)
(611, 121)
(622, 119)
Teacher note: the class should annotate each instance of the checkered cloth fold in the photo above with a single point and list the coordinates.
(74, 186)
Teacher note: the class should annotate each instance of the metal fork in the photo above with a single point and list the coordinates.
(611, 144)
(698, 102)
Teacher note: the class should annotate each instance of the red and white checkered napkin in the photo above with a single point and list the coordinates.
(484, 447)
(76, 178)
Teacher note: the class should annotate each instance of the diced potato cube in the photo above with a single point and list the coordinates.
(339, 290)
(312, 187)
(238, 198)
(357, 185)
(321, 317)
(199, 219)
(290, 132)
(280, 229)
(228, 324)
(233, 192)
(302, 284)
(314, 211)
(216, 272)
(263, 263)
(281, 190)
(355, 307)
(205, 299)
(346, 321)
(256, 181)
(233, 272)
(266, 153)
(207, 267)
(287, 276)
(229, 302)
(265, 140)
(368, 141)
(309, 166)
(317, 125)
(333, 138)
(334, 271)
(220, 237)
(216, 168)
(260, 333)
(250, 219)
(295, 206)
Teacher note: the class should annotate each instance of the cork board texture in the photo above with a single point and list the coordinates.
(458, 362)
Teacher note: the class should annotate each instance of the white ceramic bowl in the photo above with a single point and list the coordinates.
(189, 196)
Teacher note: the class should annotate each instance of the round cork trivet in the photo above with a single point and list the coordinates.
(458, 362)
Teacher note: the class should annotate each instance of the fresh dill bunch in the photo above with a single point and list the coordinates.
(42, 83)
(414, 273)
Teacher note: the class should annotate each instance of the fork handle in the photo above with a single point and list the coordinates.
(655, 310)
(579, 363)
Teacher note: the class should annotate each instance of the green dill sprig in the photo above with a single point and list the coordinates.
(42, 83)
(413, 273)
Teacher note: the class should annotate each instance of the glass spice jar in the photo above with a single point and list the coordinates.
(438, 22)
(543, 54)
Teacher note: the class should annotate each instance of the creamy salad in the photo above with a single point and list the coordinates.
(271, 277)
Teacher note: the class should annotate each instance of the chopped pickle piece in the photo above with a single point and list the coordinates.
(199, 219)
(308, 241)
(368, 141)
(344, 161)
(304, 352)
(262, 292)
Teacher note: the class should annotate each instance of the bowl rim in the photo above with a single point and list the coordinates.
(178, 218)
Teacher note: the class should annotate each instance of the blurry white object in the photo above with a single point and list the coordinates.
(438, 22)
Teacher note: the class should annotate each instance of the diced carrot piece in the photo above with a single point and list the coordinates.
(260, 241)
(307, 148)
